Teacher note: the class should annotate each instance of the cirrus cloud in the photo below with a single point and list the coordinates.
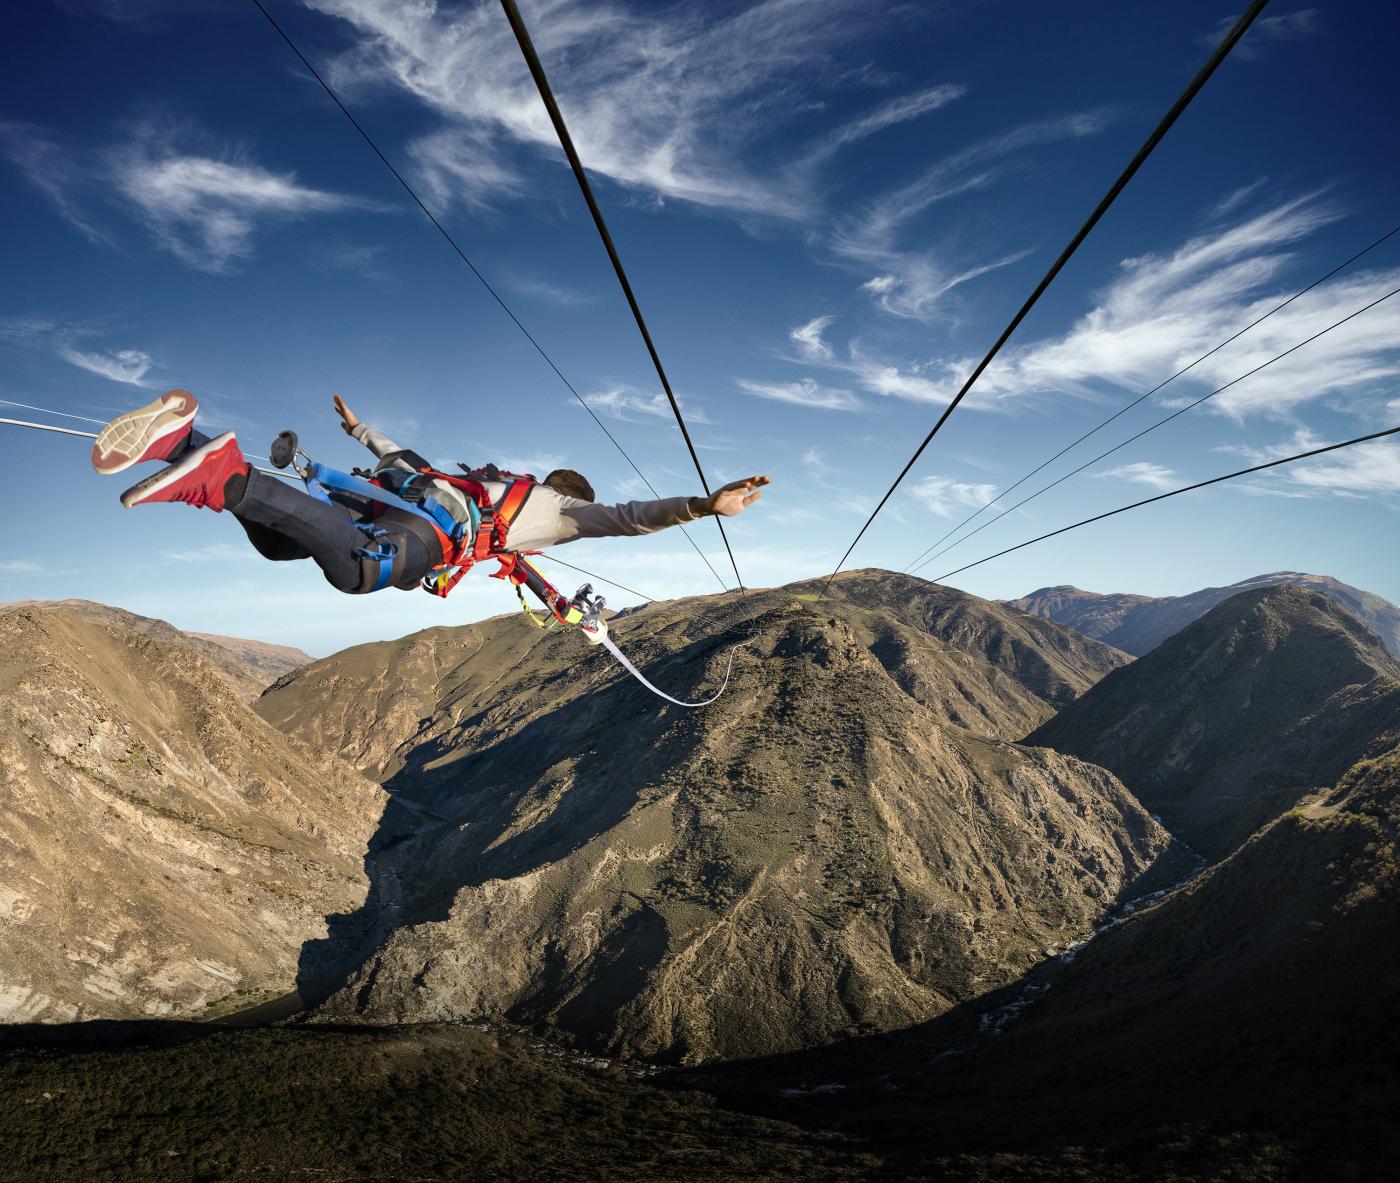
(125, 365)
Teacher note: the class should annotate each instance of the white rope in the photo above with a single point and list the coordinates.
(9, 402)
(88, 435)
(612, 648)
(91, 435)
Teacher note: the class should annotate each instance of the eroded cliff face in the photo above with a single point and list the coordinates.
(819, 853)
(163, 851)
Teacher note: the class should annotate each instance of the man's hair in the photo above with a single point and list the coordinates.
(570, 484)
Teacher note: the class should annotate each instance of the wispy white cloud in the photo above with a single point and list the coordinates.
(52, 165)
(463, 167)
(19, 567)
(1266, 32)
(31, 330)
(125, 365)
(943, 495)
(810, 341)
(872, 228)
(804, 393)
(873, 375)
(214, 552)
(205, 210)
(913, 283)
(201, 203)
(1162, 311)
(540, 464)
(1365, 470)
(822, 473)
(360, 259)
(631, 406)
(902, 109)
(546, 290)
(1154, 476)
(1236, 198)
(674, 104)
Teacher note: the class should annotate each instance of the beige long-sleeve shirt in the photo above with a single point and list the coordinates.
(549, 518)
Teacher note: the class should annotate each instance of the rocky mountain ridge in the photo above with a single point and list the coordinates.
(249, 666)
(1137, 624)
(819, 853)
(1229, 723)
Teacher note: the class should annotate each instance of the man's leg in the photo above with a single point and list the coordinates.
(164, 430)
(216, 476)
(271, 509)
(272, 544)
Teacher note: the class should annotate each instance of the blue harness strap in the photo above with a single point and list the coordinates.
(326, 483)
(331, 485)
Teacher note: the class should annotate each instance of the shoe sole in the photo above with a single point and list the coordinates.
(143, 434)
(143, 490)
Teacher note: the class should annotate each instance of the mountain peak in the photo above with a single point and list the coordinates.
(1267, 697)
(1136, 624)
(845, 841)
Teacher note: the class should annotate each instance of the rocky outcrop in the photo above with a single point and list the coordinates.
(163, 851)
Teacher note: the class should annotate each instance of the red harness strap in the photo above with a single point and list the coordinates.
(492, 536)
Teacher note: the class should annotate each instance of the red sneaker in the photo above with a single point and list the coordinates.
(152, 432)
(210, 477)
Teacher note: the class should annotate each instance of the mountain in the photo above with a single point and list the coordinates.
(1244, 1027)
(817, 854)
(1230, 722)
(972, 662)
(1288, 942)
(1138, 624)
(249, 666)
(163, 851)
(266, 662)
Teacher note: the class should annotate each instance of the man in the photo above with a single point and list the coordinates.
(283, 522)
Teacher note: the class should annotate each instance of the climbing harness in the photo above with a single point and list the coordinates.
(409, 506)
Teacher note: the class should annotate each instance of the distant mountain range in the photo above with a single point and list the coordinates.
(1268, 697)
(1137, 624)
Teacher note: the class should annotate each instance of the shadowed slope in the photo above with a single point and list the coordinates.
(815, 855)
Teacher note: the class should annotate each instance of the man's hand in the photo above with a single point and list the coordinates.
(349, 420)
(734, 498)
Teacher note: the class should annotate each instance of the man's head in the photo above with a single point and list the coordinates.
(571, 484)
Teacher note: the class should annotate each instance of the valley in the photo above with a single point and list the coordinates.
(805, 933)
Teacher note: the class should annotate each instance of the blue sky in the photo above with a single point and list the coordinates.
(828, 210)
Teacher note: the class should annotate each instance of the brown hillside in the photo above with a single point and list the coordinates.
(817, 854)
(1230, 722)
(163, 851)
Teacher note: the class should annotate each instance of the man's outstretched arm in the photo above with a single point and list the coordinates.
(376, 441)
(582, 519)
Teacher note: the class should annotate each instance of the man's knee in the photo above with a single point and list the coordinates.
(395, 560)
